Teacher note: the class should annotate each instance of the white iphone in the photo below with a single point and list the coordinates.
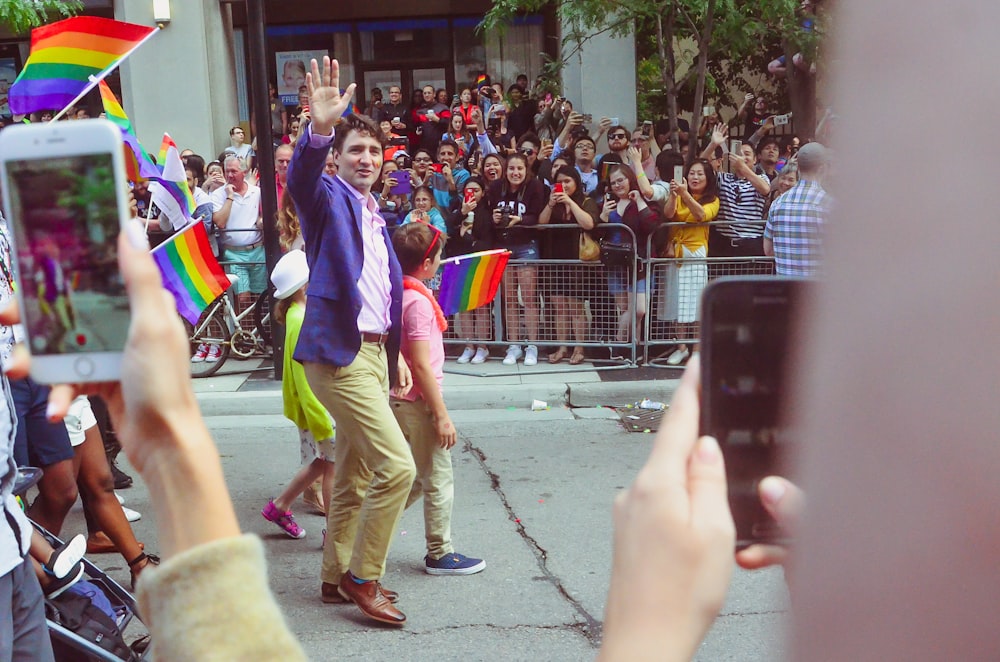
(65, 199)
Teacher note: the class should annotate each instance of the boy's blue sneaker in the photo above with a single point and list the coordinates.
(453, 564)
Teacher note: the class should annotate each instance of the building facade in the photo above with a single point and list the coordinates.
(192, 79)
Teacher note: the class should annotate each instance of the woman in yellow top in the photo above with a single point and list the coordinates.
(694, 201)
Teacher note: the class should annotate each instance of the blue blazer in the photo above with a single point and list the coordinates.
(330, 217)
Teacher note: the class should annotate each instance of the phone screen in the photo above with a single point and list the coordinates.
(64, 216)
(746, 332)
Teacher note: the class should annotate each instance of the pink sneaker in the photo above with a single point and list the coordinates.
(283, 519)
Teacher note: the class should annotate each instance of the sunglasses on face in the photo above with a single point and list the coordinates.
(526, 151)
(619, 136)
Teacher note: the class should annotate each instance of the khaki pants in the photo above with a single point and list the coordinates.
(435, 480)
(374, 467)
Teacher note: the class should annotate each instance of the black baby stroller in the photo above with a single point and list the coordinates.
(79, 630)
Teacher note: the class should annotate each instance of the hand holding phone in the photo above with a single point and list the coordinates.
(557, 188)
(66, 198)
(403, 184)
(746, 339)
(678, 174)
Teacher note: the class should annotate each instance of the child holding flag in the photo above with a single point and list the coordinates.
(421, 413)
(316, 432)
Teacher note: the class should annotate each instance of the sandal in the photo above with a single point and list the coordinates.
(578, 357)
(556, 357)
(135, 568)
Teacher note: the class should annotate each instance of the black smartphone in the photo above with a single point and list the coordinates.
(747, 332)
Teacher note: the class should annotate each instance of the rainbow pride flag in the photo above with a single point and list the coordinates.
(173, 177)
(69, 57)
(138, 165)
(190, 272)
(470, 281)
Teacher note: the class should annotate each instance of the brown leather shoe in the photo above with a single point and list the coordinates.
(330, 595)
(371, 600)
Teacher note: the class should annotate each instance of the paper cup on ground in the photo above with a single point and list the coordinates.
(539, 405)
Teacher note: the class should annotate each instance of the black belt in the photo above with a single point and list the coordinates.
(374, 338)
(247, 247)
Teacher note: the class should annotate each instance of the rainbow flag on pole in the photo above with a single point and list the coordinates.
(138, 165)
(470, 281)
(170, 192)
(69, 57)
(190, 272)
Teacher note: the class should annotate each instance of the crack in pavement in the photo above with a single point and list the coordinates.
(591, 627)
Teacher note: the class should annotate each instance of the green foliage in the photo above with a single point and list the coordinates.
(19, 16)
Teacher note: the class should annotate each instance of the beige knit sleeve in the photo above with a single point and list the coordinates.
(213, 603)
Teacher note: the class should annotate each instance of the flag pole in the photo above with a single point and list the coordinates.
(95, 79)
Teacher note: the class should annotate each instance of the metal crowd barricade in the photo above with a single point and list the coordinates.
(674, 305)
(571, 289)
(239, 305)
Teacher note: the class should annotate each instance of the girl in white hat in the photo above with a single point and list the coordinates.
(316, 431)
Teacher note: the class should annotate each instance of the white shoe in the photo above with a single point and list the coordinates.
(513, 354)
(531, 355)
(201, 354)
(481, 355)
(121, 499)
(131, 515)
(679, 356)
(466, 355)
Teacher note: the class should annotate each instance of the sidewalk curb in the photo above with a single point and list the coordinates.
(468, 398)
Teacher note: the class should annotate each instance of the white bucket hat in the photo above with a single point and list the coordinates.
(290, 274)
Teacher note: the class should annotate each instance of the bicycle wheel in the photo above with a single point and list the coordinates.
(215, 334)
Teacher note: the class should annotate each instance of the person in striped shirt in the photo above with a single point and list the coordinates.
(794, 230)
(742, 195)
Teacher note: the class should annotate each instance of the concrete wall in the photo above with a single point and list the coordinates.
(600, 79)
(180, 82)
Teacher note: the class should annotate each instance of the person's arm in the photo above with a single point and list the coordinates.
(719, 135)
(284, 120)
(673, 523)
(764, 129)
(586, 219)
(635, 159)
(742, 169)
(430, 391)
(768, 247)
(221, 214)
(670, 206)
(745, 106)
(545, 215)
(575, 119)
(327, 105)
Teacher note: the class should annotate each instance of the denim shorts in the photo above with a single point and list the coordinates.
(618, 282)
(528, 251)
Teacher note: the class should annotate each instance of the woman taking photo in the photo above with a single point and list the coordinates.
(470, 229)
(568, 289)
(458, 130)
(624, 205)
(695, 202)
(516, 201)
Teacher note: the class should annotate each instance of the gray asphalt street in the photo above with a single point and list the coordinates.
(533, 497)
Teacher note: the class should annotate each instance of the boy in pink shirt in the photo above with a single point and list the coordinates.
(421, 413)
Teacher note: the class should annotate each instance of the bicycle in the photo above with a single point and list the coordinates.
(220, 326)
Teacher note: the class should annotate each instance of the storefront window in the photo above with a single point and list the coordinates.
(470, 53)
(294, 46)
(404, 40)
(519, 52)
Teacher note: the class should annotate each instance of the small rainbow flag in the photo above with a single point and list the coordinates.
(190, 272)
(138, 165)
(470, 281)
(173, 177)
(69, 57)
(482, 79)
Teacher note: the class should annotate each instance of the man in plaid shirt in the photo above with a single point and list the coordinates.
(794, 230)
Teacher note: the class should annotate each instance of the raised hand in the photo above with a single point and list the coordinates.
(326, 103)
(719, 134)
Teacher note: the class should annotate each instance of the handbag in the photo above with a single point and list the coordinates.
(590, 250)
(616, 255)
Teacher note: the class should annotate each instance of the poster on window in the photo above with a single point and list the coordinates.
(8, 72)
(291, 68)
